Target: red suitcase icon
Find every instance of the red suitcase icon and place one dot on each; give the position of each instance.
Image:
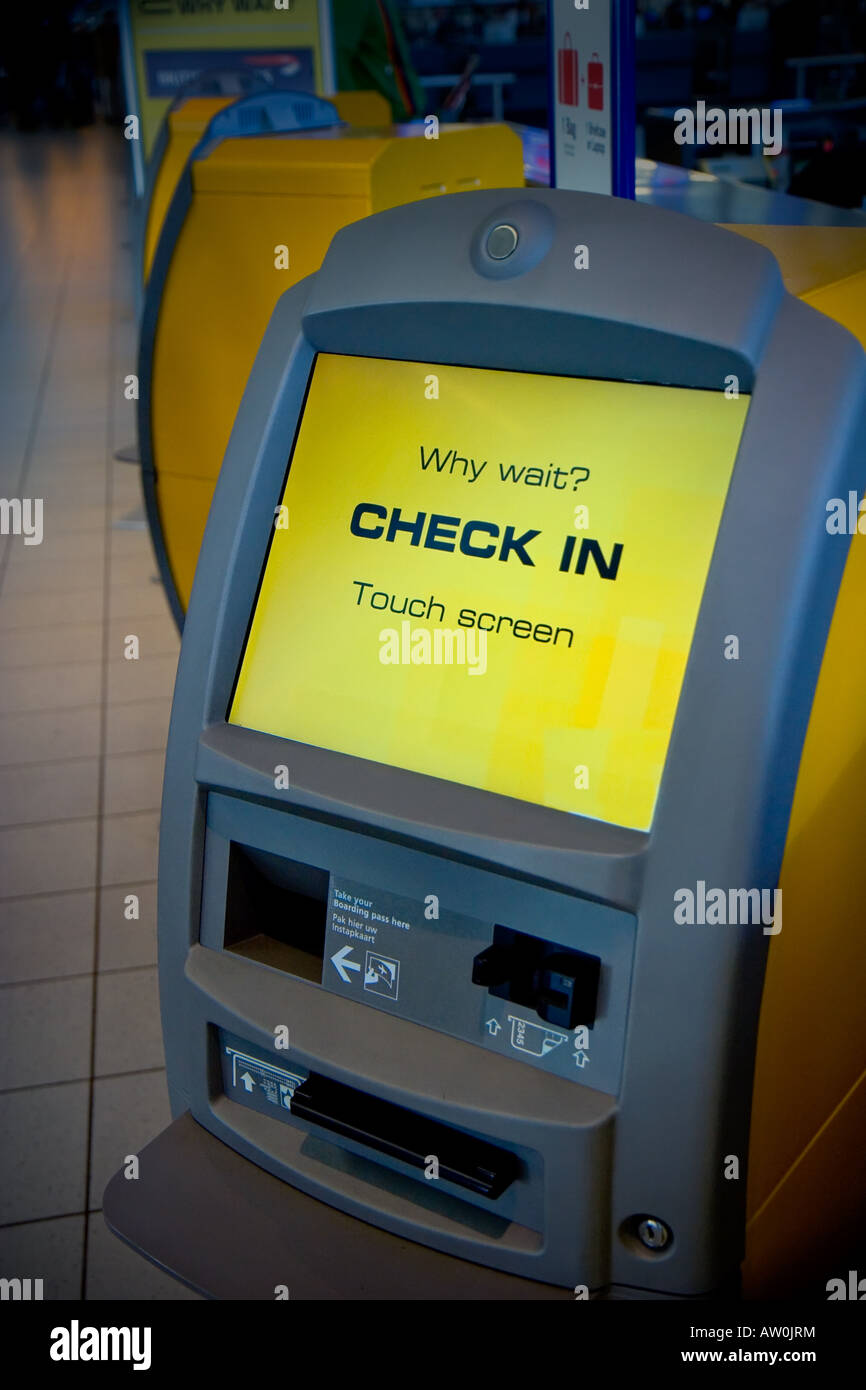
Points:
(595, 83)
(569, 87)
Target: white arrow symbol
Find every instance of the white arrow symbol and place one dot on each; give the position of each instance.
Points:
(493, 1026)
(248, 1081)
(341, 964)
(581, 1059)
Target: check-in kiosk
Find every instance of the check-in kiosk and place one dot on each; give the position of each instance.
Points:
(520, 710)
(252, 215)
(194, 118)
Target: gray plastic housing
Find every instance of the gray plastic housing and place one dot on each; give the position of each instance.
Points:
(665, 300)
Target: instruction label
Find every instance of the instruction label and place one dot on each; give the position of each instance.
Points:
(254, 1081)
(413, 957)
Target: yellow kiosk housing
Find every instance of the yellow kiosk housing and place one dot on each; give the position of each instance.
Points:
(809, 1120)
(250, 218)
(185, 126)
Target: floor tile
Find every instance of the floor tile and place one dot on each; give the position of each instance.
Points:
(62, 490)
(50, 646)
(80, 732)
(83, 518)
(137, 601)
(48, 936)
(126, 490)
(43, 1157)
(81, 576)
(138, 727)
(128, 1111)
(157, 636)
(48, 1250)
(125, 543)
(145, 679)
(61, 468)
(30, 688)
(126, 518)
(123, 940)
(133, 782)
(130, 501)
(134, 569)
(45, 1032)
(60, 545)
(44, 610)
(49, 791)
(48, 735)
(128, 1028)
(48, 858)
(129, 847)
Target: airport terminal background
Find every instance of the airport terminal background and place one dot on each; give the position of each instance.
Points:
(82, 730)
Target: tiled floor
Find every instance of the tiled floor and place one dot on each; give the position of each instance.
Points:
(82, 731)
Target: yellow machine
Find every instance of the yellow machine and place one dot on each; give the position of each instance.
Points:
(808, 1131)
(261, 215)
(184, 128)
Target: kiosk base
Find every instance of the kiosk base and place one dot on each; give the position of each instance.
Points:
(231, 1231)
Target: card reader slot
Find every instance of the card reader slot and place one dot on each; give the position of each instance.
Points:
(403, 1134)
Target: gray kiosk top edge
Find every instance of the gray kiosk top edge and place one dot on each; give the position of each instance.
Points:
(655, 299)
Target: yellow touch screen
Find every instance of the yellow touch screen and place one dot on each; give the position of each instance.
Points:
(491, 577)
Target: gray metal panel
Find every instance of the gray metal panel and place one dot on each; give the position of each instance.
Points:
(481, 898)
(176, 1215)
(601, 861)
(273, 399)
(640, 259)
(725, 796)
(560, 1130)
(568, 1127)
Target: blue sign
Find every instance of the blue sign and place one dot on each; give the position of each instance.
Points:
(168, 71)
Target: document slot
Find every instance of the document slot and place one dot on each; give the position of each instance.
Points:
(468, 1162)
